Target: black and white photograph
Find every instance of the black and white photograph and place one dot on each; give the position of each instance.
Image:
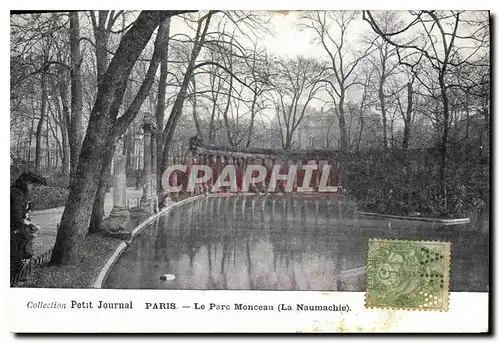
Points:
(231, 150)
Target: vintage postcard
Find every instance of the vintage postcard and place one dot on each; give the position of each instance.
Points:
(250, 171)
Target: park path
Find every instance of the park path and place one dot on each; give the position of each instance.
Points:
(48, 219)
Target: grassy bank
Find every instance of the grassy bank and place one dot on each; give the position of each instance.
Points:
(95, 252)
(93, 255)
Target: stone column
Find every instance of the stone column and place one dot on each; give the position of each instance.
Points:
(317, 176)
(216, 170)
(117, 224)
(340, 171)
(120, 187)
(218, 166)
(203, 161)
(295, 162)
(147, 189)
(264, 184)
(211, 163)
(154, 160)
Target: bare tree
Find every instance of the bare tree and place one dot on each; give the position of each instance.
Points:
(366, 102)
(103, 28)
(440, 49)
(204, 38)
(343, 59)
(122, 123)
(385, 63)
(167, 132)
(293, 91)
(228, 61)
(102, 129)
(162, 87)
(260, 76)
(43, 100)
(75, 125)
(406, 113)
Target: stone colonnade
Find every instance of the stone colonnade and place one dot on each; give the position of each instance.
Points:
(218, 160)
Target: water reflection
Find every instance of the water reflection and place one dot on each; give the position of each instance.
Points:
(282, 243)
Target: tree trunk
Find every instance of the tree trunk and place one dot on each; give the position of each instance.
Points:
(211, 126)
(101, 43)
(120, 128)
(98, 207)
(76, 216)
(39, 127)
(160, 105)
(53, 129)
(226, 110)
(64, 119)
(361, 128)
(252, 118)
(288, 142)
(196, 119)
(407, 121)
(444, 142)
(381, 97)
(77, 213)
(168, 132)
(344, 144)
(31, 130)
(56, 117)
(47, 143)
(75, 125)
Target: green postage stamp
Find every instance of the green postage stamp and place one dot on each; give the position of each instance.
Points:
(404, 274)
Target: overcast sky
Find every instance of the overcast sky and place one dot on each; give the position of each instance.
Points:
(288, 40)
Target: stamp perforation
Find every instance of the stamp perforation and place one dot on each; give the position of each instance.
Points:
(444, 276)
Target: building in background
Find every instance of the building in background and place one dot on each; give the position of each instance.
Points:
(317, 130)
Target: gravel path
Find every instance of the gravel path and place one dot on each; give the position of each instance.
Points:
(47, 220)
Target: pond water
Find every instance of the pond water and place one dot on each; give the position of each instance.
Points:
(283, 243)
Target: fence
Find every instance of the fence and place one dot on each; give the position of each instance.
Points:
(29, 267)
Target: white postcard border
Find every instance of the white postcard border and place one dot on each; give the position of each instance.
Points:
(468, 312)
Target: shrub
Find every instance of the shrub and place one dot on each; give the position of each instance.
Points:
(45, 197)
(408, 182)
(57, 180)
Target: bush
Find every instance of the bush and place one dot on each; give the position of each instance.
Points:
(406, 183)
(45, 197)
(57, 180)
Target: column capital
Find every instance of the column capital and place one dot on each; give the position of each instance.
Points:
(149, 125)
